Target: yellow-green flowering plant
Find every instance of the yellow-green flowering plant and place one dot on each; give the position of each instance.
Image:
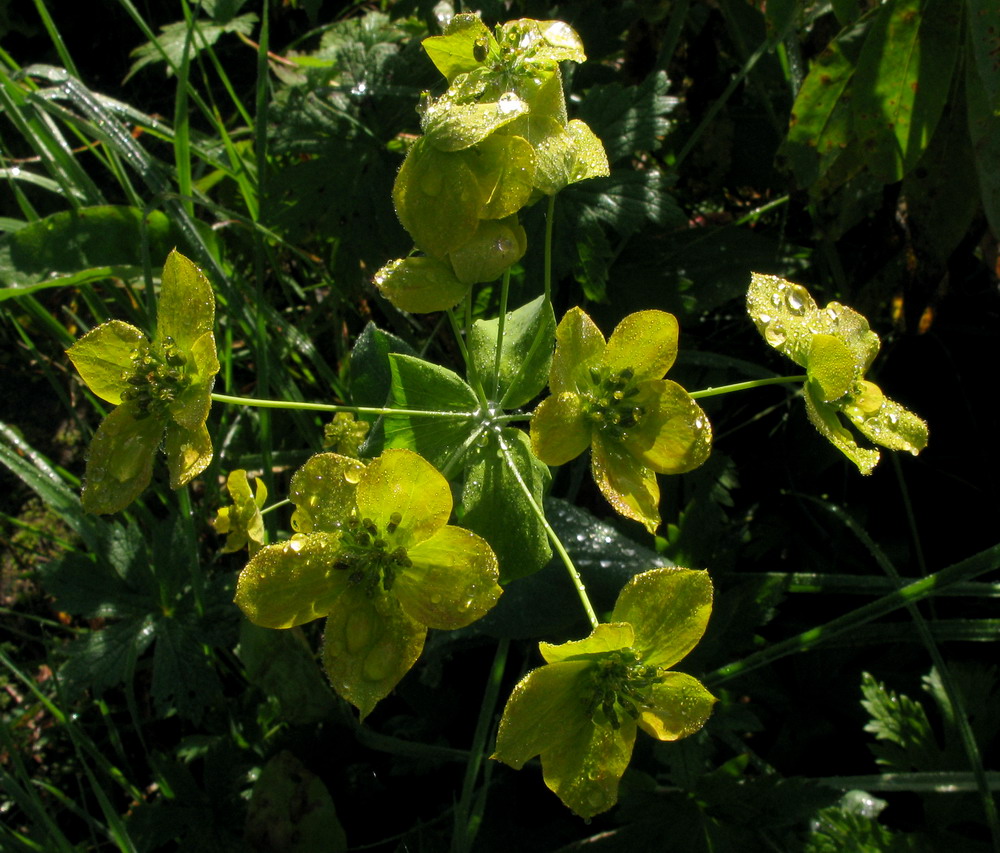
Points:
(242, 523)
(373, 553)
(498, 139)
(161, 390)
(580, 711)
(836, 347)
(611, 397)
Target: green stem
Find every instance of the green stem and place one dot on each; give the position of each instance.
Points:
(557, 544)
(470, 368)
(549, 217)
(746, 386)
(326, 407)
(466, 823)
(501, 322)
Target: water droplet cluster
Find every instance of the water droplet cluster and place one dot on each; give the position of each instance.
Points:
(609, 401)
(620, 682)
(368, 555)
(155, 378)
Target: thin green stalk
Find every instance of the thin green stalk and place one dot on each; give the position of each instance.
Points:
(466, 823)
(193, 557)
(329, 407)
(549, 217)
(474, 380)
(966, 570)
(57, 40)
(501, 322)
(746, 386)
(574, 574)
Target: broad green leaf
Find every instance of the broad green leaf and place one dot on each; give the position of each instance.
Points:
(819, 128)
(418, 384)
(86, 244)
(421, 284)
(669, 610)
(293, 582)
(186, 310)
(984, 130)
(984, 39)
(902, 82)
(437, 198)
(291, 811)
(371, 377)
(184, 679)
(120, 460)
(452, 126)
(282, 665)
(606, 637)
(525, 352)
(496, 245)
(107, 658)
(461, 48)
(494, 504)
(369, 645)
(589, 159)
(191, 407)
(103, 355)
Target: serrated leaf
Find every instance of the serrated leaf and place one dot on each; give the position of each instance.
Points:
(183, 677)
(107, 658)
(177, 39)
(525, 352)
(629, 119)
(418, 384)
(624, 200)
(494, 504)
(902, 725)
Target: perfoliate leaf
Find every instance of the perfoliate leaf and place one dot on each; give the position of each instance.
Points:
(438, 198)
(668, 609)
(525, 352)
(186, 309)
(606, 637)
(504, 165)
(120, 460)
(463, 46)
(103, 355)
(453, 126)
(421, 284)
(369, 644)
(496, 245)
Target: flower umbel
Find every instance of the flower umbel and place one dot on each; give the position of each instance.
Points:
(836, 347)
(373, 553)
(241, 523)
(160, 387)
(580, 711)
(612, 397)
